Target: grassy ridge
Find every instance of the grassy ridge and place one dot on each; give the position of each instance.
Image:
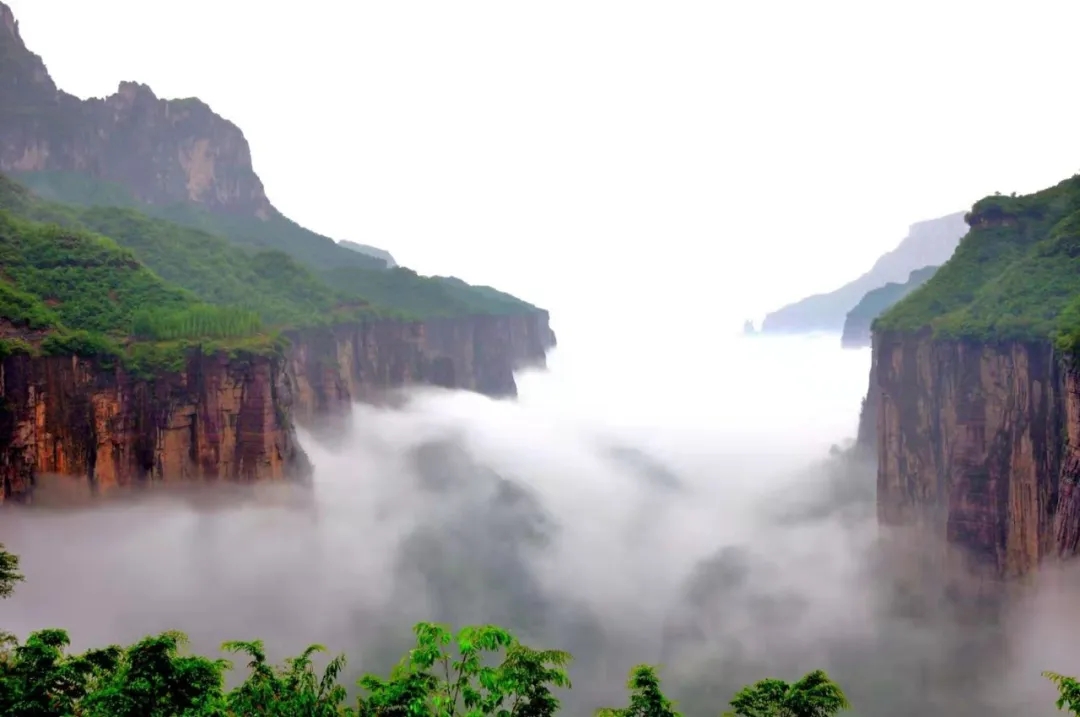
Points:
(112, 281)
(69, 291)
(286, 291)
(1014, 276)
(331, 274)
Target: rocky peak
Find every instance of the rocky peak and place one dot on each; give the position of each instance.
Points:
(19, 68)
(8, 22)
(129, 92)
(163, 151)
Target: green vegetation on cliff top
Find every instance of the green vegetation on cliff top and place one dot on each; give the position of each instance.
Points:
(96, 277)
(1014, 276)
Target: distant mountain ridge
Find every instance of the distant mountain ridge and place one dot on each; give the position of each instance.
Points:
(857, 326)
(928, 243)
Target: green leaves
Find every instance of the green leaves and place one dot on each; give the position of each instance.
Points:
(9, 572)
(1068, 691)
(815, 695)
(434, 682)
(646, 698)
(291, 689)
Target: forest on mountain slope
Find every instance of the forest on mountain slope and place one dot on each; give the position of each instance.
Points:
(1014, 277)
(106, 280)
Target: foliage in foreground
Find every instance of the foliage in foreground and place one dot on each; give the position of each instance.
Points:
(482, 670)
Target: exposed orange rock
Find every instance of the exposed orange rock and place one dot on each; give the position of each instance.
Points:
(218, 419)
(233, 419)
(978, 444)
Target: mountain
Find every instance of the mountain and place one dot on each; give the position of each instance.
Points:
(928, 243)
(974, 393)
(859, 320)
(176, 159)
(161, 320)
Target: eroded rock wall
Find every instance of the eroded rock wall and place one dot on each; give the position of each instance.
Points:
(232, 418)
(977, 445)
(164, 151)
(337, 365)
(220, 418)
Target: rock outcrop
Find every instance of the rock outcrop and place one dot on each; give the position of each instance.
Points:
(165, 151)
(978, 445)
(225, 418)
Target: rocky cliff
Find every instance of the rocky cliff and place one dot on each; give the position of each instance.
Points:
(978, 444)
(218, 418)
(166, 151)
(192, 234)
(233, 418)
(975, 392)
(359, 362)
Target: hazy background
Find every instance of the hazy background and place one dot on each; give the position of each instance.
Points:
(693, 160)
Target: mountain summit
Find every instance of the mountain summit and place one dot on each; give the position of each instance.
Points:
(163, 151)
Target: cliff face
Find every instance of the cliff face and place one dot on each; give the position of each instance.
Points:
(978, 444)
(217, 419)
(233, 419)
(165, 151)
(335, 366)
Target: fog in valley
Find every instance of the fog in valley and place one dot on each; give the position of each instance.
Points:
(629, 507)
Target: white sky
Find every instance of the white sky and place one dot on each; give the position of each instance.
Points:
(714, 159)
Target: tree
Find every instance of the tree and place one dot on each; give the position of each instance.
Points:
(40, 679)
(430, 682)
(1068, 692)
(9, 572)
(9, 577)
(646, 698)
(815, 695)
(152, 679)
(290, 690)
